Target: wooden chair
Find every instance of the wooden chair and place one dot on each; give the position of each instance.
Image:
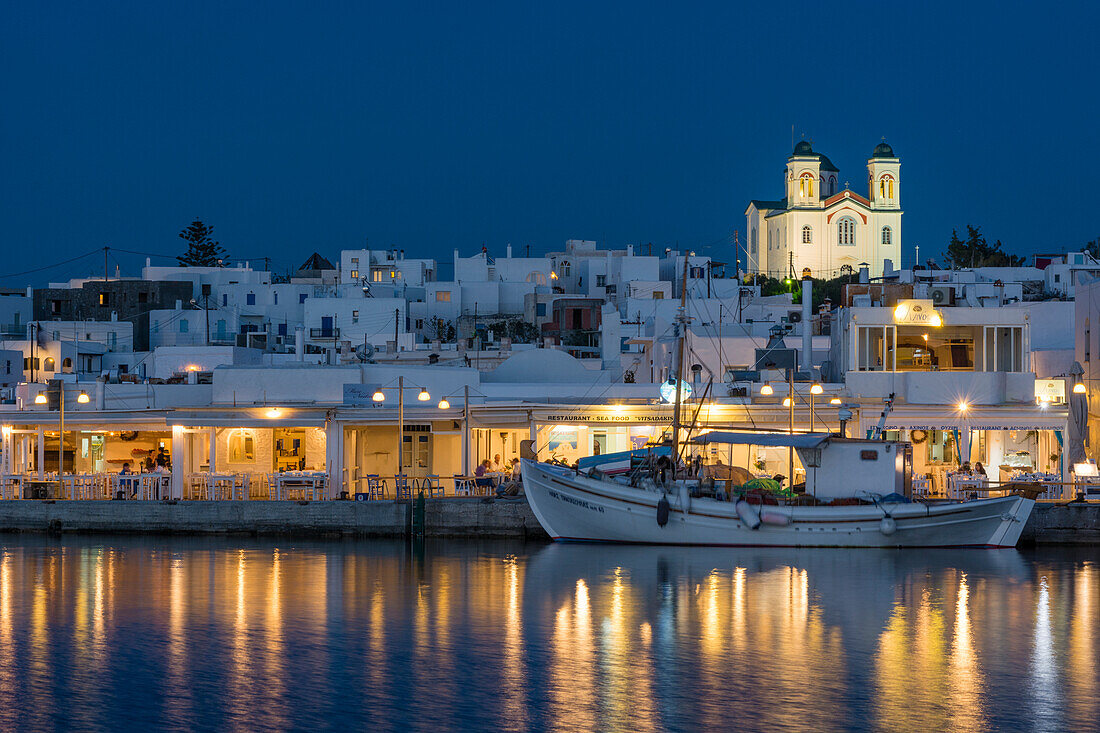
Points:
(401, 486)
(433, 487)
(376, 486)
(464, 486)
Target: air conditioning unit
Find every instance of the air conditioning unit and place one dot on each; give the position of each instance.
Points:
(941, 295)
(794, 317)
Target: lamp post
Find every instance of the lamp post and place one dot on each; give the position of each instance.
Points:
(815, 389)
(40, 399)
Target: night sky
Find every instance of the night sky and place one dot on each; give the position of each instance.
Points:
(294, 127)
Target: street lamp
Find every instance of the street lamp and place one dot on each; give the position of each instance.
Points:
(423, 396)
(767, 390)
(444, 404)
(815, 389)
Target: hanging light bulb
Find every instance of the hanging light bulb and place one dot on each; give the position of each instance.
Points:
(766, 389)
(423, 396)
(40, 398)
(444, 404)
(378, 396)
(82, 398)
(1079, 388)
(816, 388)
(786, 401)
(835, 401)
(274, 412)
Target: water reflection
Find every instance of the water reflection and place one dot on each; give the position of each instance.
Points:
(185, 634)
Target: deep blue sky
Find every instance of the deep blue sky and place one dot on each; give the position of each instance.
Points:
(294, 127)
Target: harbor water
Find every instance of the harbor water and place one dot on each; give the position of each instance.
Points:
(156, 633)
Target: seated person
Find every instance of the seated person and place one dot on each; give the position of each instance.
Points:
(125, 469)
(480, 479)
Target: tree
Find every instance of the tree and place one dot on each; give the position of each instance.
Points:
(441, 329)
(202, 249)
(977, 252)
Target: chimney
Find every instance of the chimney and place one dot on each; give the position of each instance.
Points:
(299, 343)
(509, 251)
(148, 261)
(630, 250)
(864, 273)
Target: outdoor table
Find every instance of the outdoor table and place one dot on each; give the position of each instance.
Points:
(310, 483)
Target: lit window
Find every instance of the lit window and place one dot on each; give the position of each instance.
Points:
(354, 263)
(846, 231)
(443, 296)
(376, 276)
(807, 235)
(887, 235)
(886, 187)
(806, 184)
(658, 295)
(354, 274)
(48, 364)
(104, 299)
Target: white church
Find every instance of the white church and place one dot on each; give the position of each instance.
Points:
(824, 227)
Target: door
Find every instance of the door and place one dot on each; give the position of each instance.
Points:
(326, 326)
(416, 453)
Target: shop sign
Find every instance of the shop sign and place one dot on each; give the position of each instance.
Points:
(606, 418)
(917, 313)
(1050, 390)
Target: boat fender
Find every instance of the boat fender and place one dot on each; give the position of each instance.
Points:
(747, 514)
(662, 511)
(888, 526)
(775, 518)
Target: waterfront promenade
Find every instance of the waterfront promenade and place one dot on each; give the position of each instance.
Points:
(460, 517)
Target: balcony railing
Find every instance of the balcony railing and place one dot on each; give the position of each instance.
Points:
(324, 333)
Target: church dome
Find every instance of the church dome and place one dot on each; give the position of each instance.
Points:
(803, 148)
(882, 150)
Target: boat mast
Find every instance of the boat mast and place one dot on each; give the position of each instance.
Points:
(681, 328)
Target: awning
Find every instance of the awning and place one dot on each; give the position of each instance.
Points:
(784, 440)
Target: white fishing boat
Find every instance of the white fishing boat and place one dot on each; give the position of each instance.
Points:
(856, 494)
(854, 497)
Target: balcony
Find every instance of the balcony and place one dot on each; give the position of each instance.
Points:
(945, 388)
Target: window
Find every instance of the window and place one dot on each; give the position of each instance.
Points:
(376, 276)
(807, 235)
(55, 306)
(355, 316)
(355, 263)
(846, 231)
(537, 278)
(67, 364)
(540, 310)
(275, 297)
(250, 299)
(612, 289)
(601, 281)
(875, 349)
(658, 295)
(696, 273)
(354, 274)
(442, 296)
(104, 298)
(806, 184)
(752, 243)
(1004, 349)
(225, 299)
(242, 446)
(184, 326)
(1057, 277)
(112, 340)
(886, 187)
(419, 324)
(143, 297)
(564, 268)
(887, 236)
(49, 364)
(302, 298)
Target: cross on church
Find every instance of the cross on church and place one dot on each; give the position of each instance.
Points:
(845, 185)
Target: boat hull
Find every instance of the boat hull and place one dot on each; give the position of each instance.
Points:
(573, 507)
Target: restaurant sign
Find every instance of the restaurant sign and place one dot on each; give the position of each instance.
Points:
(917, 313)
(589, 417)
(1050, 390)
